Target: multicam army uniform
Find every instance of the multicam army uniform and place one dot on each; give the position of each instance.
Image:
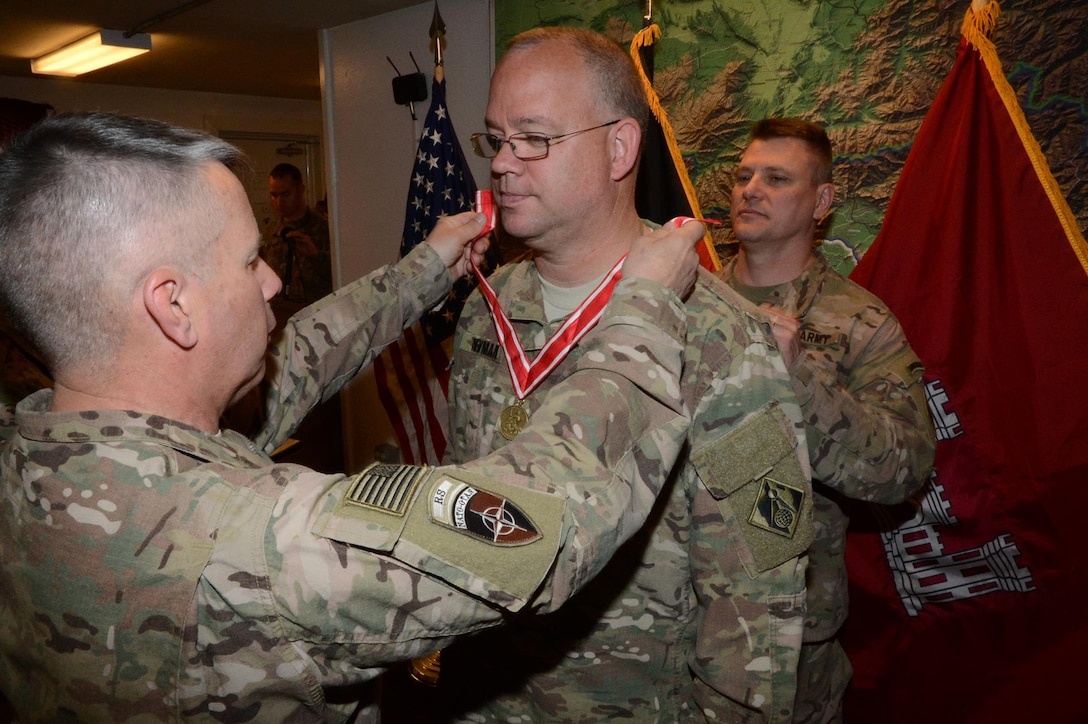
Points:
(869, 438)
(699, 617)
(311, 277)
(156, 572)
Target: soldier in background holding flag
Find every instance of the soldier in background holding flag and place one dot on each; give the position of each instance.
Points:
(857, 379)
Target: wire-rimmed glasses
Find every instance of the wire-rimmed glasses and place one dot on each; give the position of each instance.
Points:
(525, 146)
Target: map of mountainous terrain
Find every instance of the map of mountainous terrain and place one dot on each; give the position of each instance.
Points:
(867, 70)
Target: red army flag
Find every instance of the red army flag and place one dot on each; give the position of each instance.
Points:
(965, 605)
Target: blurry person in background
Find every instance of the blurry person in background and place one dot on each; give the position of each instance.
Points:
(297, 247)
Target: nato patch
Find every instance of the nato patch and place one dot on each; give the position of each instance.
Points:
(481, 514)
(386, 488)
(777, 507)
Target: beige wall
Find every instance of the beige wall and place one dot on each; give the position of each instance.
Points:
(213, 112)
(371, 141)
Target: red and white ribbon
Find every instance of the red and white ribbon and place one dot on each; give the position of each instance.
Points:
(525, 375)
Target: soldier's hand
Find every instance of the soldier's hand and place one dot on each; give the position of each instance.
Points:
(785, 328)
(667, 256)
(304, 245)
(459, 239)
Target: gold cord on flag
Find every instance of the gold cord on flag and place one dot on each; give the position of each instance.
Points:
(978, 23)
(646, 38)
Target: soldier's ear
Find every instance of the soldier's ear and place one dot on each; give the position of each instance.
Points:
(825, 195)
(626, 137)
(166, 303)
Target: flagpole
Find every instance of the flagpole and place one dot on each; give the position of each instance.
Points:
(645, 39)
(438, 37)
(427, 669)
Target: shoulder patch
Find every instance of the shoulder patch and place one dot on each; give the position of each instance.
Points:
(754, 472)
(777, 507)
(905, 370)
(916, 370)
(386, 488)
(480, 514)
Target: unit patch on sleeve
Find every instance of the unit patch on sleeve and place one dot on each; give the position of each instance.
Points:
(481, 514)
(777, 507)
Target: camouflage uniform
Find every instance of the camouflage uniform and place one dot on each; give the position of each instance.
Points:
(869, 438)
(699, 617)
(156, 572)
(311, 276)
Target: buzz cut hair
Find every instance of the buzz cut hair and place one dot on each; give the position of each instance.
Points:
(812, 134)
(89, 204)
(286, 170)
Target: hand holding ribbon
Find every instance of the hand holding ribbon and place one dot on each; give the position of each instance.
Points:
(668, 255)
(461, 240)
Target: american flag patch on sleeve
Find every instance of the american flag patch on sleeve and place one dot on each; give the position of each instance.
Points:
(386, 488)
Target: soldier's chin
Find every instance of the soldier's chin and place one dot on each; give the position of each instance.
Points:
(250, 384)
(518, 226)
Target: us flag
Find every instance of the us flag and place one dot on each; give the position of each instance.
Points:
(413, 375)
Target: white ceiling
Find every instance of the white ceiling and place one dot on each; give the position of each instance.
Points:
(252, 47)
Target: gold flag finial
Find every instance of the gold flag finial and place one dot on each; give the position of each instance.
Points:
(426, 669)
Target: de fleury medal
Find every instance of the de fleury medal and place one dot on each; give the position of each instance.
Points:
(513, 420)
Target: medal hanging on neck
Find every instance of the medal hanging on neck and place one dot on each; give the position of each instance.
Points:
(525, 375)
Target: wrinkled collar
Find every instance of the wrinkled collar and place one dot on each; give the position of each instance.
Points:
(796, 296)
(38, 423)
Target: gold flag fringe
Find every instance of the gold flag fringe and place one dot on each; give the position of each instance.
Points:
(977, 26)
(645, 38)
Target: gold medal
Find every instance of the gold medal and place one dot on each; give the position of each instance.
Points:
(513, 420)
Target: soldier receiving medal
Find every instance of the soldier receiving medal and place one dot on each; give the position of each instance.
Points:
(703, 611)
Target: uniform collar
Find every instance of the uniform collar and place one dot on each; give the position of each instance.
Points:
(38, 423)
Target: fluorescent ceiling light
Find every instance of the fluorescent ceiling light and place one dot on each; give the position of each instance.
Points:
(95, 51)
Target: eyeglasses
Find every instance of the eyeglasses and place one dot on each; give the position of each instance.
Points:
(526, 146)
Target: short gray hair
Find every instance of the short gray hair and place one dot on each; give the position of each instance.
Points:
(89, 204)
(617, 79)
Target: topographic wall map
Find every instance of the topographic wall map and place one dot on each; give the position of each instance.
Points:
(867, 70)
